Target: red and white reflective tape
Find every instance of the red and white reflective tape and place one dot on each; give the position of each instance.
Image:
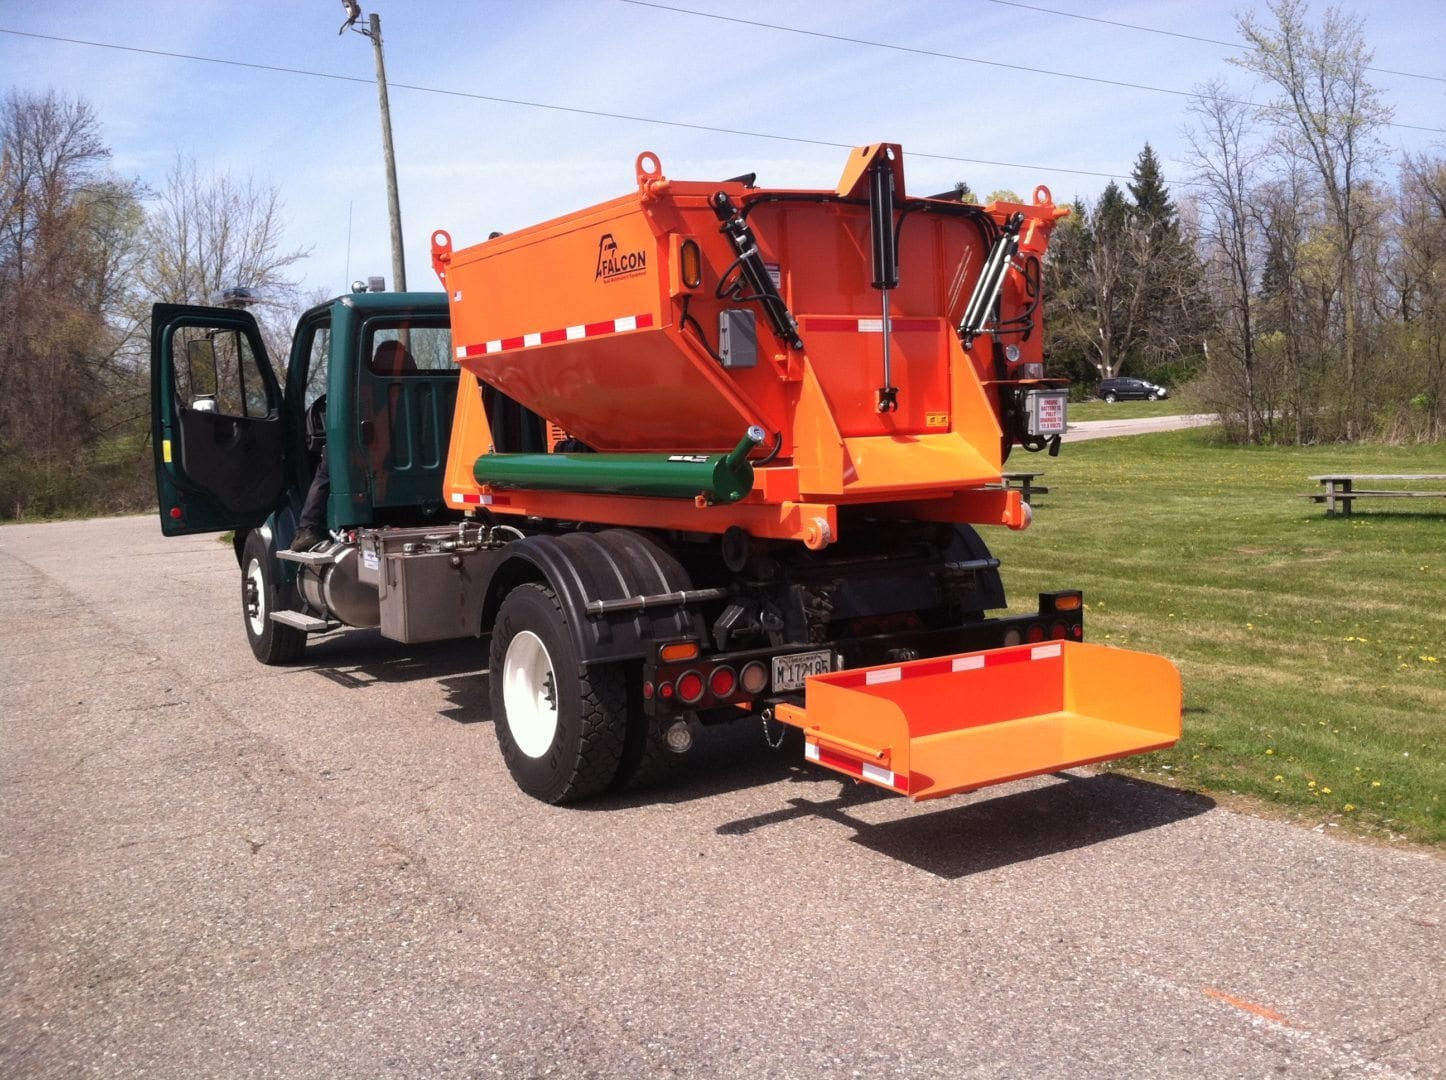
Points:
(859, 770)
(868, 326)
(550, 337)
(463, 498)
(922, 668)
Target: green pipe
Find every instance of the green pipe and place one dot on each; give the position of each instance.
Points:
(718, 478)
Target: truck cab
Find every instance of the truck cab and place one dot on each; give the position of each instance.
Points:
(369, 389)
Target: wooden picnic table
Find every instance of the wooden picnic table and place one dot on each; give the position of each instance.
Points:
(1025, 482)
(1339, 490)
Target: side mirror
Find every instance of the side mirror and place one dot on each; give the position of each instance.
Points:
(201, 371)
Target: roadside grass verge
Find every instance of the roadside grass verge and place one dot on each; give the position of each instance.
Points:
(1313, 651)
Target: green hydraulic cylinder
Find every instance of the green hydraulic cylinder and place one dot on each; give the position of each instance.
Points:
(718, 478)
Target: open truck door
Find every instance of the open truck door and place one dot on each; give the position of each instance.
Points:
(217, 421)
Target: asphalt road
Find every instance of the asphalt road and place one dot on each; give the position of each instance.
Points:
(1080, 430)
(215, 869)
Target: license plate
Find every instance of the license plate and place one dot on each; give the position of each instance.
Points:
(789, 672)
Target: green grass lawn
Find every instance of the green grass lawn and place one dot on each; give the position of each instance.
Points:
(1313, 651)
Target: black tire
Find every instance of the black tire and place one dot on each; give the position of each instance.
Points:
(564, 735)
(646, 758)
(1153, 396)
(1110, 399)
(261, 594)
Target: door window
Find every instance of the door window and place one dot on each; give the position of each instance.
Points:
(218, 371)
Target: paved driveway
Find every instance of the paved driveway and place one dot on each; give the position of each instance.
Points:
(211, 868)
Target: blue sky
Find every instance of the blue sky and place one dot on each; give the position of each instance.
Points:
(471, 165)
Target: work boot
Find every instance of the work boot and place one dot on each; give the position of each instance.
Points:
(306, 538)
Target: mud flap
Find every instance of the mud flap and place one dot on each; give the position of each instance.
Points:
(938, 727)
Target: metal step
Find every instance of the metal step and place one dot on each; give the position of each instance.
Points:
(323, 557)
(310, 623)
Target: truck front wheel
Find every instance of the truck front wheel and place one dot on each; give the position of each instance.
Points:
(561, 727)
(271, 642)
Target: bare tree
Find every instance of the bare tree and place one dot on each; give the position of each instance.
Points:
(1226, 160)
(208, 233)
(68, 236)
(1421, 342)
(1334, 115)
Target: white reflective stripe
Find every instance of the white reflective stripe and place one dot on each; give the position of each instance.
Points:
(494, 346)
(457, 497)
(461, 352)
(878, 775)
(1045, 652)
(892, 674)
(871, 326)
(529, 340)
(810, 751)
(575, 332)
(627, 322)
(967, 663)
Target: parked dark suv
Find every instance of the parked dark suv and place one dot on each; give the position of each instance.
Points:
(1113, 390)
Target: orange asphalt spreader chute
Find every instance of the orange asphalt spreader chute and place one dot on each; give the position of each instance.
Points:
(937, 727)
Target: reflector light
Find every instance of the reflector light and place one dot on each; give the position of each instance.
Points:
(1036, 632)
(175, 513)
(722, 682)
(665, 690)
(690, 264)
(647, 691)
(679, 650)
(1077, 632)
(690, 687)
(754, 677)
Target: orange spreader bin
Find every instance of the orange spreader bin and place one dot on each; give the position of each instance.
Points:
(609, 323)
(929, 728)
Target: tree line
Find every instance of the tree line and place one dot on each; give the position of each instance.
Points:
(84, 252)
(1286, 283)
(1299, 293)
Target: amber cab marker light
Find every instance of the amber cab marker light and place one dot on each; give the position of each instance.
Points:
(678, 650)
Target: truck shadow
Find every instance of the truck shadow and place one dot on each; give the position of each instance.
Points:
(356, 659)
(988, 833)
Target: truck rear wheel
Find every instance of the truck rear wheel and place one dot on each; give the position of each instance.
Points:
(561, 727)
(271, 643)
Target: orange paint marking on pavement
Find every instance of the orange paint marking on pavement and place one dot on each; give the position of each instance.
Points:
(1262, 1011)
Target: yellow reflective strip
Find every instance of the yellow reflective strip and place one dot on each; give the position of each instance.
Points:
(166, 451)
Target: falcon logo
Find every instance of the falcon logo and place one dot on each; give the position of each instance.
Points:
(611, 264)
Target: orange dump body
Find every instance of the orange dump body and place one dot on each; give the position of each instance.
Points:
(607, 323)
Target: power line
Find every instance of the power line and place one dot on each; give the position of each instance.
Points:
(955, 56)
(543, 105)
(1186, 37)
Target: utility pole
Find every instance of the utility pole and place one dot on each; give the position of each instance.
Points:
(394, 206)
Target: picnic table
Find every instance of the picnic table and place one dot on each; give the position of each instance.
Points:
(1338, 490)
(1025, 482)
